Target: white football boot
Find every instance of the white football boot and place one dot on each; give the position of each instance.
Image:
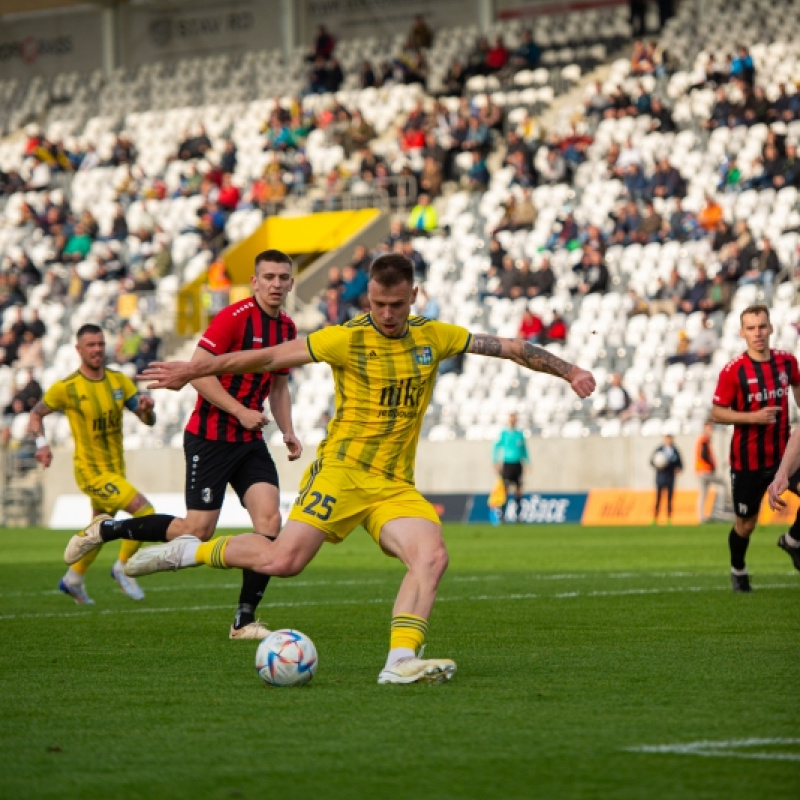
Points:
(419, 670)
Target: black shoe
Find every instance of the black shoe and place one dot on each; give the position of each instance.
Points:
(794, 552)
(741, 583)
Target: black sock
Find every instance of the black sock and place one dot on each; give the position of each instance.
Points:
(738, 546)
(254, 585)
(794, 531)
(152, 528)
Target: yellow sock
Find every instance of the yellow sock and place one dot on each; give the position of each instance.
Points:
(212, 552)
(81, 566)
(127, 547)
(408, 631)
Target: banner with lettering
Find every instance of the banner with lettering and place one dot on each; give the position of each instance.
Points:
(201, 27)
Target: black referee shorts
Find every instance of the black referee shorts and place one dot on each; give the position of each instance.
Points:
(748, 488)
(212, 465)
(512, 473)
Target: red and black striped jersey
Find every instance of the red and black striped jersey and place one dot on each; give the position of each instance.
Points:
(240, 326)
(748, 385)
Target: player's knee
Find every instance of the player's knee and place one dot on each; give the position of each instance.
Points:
(744, 527)
(282, 564)
(434, 562)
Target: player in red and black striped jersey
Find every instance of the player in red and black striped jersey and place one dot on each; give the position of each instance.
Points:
(223, 443)
(753, 395)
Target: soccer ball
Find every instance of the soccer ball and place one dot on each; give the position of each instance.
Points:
(286, 658)
(659, 459)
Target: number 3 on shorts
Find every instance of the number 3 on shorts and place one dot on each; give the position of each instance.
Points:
(324, 501)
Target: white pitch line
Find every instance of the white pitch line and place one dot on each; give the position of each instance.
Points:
(292, 583)
(350, 602)
(724, 749)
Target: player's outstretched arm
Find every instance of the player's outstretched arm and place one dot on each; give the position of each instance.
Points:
(44, 455)
(176, 374)
(534, 358)
(790, 463)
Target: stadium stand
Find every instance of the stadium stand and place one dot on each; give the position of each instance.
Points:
(652, 184)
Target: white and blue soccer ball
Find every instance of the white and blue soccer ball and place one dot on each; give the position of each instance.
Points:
(286, 658)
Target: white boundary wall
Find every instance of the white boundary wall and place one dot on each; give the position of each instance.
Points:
(460, 466)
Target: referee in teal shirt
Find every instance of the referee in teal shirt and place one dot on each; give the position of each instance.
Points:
(510, 458)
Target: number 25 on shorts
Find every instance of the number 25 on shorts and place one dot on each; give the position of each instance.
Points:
(325, 503)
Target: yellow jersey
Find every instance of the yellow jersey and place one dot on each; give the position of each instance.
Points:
(94, 410)
(383, 387)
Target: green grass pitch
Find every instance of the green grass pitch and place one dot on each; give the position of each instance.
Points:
(592, 663)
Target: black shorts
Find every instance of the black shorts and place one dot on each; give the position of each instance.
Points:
(512, 473)
(749, 487)
(212, 465)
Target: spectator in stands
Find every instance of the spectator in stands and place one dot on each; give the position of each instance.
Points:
(323, 46)
(334, 76)
(507, 280)
(478, 177)
(229, 194)
(425, 305)
(667, 182)
(476, 60)
(789, 174)
(763, 267)
(454, 79)
(530, 327)
(593, 276)
(366, 75)
(639, 408)
(700, 349)
(420, 36)
(39, 174)
(553, 169)
(718, 296)
(638, 17)
(354, 286)
(406, 247)
(30, 354)
(358, 134)
(742, 67)
(194, 146)
(332, 308)
(228, 159)
(568, 234)
(28, 393)
(710, 215)
(618, 401)
(696, 293)
(127, 344)
(635, 182)
(497, 57)
(431, 178)
(526, 280)
(423, 217)
(597, 103)
(528, 54)
(543, 280)
(119, 225)
(651, 225)
(662, 117)
(556, 331)
(78, 245)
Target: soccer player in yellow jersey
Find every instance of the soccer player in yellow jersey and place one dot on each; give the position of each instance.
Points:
(384, 366)
(93, 398)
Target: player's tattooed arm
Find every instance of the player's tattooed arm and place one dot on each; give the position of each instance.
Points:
(524, 353)
(35, 426)
(534, 358)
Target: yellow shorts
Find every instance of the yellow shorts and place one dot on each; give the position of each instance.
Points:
(337, 499)
(109, 492)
